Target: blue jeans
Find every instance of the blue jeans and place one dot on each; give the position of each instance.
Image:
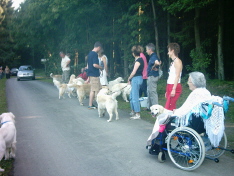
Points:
(134, 94)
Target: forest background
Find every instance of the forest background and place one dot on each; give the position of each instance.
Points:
(40, 29)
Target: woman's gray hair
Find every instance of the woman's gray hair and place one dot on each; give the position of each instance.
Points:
(198, 79)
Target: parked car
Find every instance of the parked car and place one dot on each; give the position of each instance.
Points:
(26, 72)
(14, 71)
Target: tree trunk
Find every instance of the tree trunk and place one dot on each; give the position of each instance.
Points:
(155, 30)
(168, 34)
(220, 42)
(125, 65)
(196, 29)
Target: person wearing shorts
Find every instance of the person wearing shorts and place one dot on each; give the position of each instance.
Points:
(94, 73)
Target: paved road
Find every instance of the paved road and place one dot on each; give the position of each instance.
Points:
(61, 138)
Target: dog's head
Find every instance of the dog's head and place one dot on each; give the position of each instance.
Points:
(104, 90)
(120, 79)
(156, 110)
(72, 76)
(8, 116)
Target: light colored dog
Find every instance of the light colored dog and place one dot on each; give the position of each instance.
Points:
(63, 88)
(107, 103)
(124, 88)
(156, 110)
(7, 136)
(56, 77)
(82, 91)
(116, 81)
(74, 80)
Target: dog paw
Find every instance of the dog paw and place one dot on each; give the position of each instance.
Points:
(12, 156)
(108, 120)
(117, 119)
(127, 101)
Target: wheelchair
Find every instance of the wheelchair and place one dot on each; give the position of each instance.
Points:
(188, 146)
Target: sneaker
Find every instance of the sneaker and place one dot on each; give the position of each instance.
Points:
(132, 113)
(136, 117)
(92, 107)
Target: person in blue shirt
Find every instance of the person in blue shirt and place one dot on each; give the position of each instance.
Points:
(153, 76)
(94, 73)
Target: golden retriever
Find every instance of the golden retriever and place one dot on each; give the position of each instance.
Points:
(63, 88)
(158, 109)
(56, 77)
(124, 88)
(116, 81)
(82, 91)
(7, 136)
(107, 103)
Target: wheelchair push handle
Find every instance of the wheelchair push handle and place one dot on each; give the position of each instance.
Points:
(228, 98)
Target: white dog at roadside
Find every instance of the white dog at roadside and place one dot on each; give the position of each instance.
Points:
(116, 81)
(56, 77)
(74, 80)
(82, 91)
(63, 88)
(107, 103)
(156, 110)
(124, 88)
(7, 136)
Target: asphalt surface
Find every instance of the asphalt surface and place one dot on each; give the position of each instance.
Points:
(61, 138)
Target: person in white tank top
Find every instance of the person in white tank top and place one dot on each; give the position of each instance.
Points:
(104, 73)
(174, 88)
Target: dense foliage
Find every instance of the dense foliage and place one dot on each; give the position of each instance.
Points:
(41, 28)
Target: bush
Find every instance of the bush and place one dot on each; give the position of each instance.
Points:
(200, 62)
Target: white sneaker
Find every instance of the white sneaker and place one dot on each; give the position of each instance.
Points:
(136, 117)
(132, 114)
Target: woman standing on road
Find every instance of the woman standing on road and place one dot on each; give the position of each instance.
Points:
(174, 88)
(136, 80)
(103, 61)
(143, 88)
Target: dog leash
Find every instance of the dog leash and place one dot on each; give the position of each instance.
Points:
(118, 90)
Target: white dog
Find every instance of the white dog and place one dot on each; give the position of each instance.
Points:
(124, 88)
(74, 80)
(82, 91)
(107, 103)
(116, 81)
(63, 88)
(156, 110)
(56, 77)
(7, 136)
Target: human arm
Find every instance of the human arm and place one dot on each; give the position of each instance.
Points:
(68, 62)
(87, 81)
(97, 66)
(136, 66)
(178, 69)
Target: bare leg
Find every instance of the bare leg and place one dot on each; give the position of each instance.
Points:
(91, 97)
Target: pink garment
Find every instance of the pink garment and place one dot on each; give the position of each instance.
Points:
(144, 72)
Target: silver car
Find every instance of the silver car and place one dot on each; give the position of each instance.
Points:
(25, 72)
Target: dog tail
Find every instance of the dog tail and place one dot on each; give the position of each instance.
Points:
(116, 94)
(51, 75)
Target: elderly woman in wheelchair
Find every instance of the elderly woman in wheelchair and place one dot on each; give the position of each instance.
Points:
(193, 131)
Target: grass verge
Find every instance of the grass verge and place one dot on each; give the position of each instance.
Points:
(7, 165)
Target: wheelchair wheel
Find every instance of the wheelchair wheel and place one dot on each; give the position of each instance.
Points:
(216, 152)
(186, 148)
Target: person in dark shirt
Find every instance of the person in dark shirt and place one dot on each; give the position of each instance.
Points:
(94, 73)
(136, 80)
(153, 76)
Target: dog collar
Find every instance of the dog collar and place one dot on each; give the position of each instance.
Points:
(4, 122)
